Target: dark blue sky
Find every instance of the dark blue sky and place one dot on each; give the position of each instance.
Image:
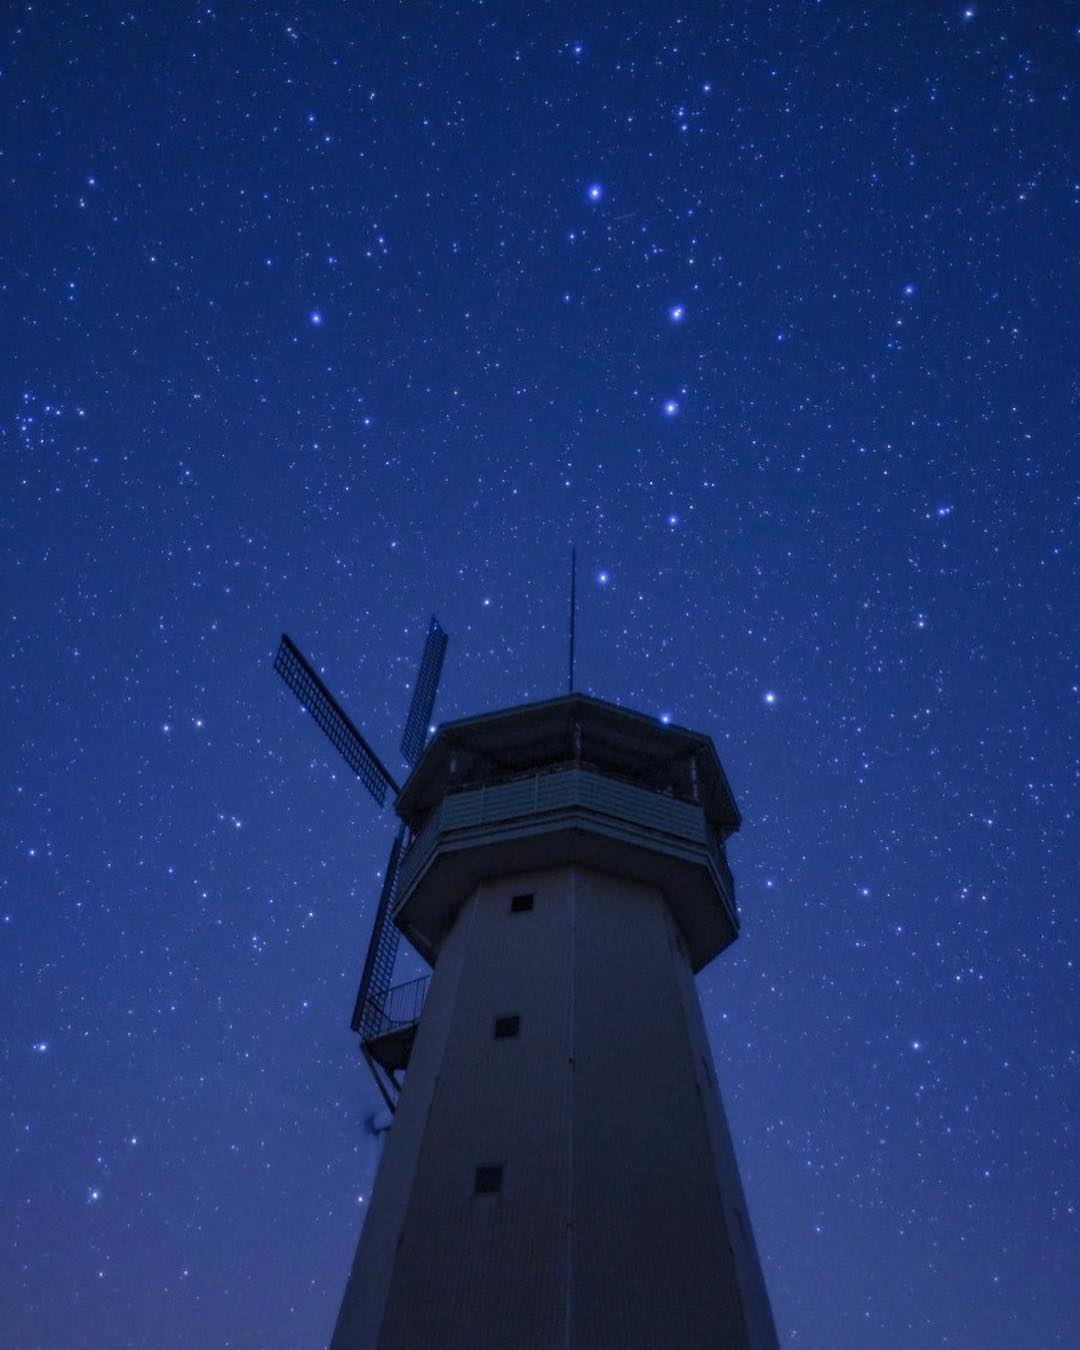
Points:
(328, 318)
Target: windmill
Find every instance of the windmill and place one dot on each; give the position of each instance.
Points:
(385, 1017)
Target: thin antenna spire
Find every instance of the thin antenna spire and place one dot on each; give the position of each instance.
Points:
(573, 615)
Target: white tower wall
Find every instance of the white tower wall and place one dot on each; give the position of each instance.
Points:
(620, 1221)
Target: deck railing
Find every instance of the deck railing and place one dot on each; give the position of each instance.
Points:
(560, 789)
(399, 1007)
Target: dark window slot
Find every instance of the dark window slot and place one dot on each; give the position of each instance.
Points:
(489, 1179)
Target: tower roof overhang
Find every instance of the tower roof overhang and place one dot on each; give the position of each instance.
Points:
(574, 728)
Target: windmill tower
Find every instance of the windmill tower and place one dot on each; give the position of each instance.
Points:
(559, 1172)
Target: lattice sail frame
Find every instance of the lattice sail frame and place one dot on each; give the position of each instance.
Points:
(414, 737)
(369, 1010)
(332, 720)
(378, 973)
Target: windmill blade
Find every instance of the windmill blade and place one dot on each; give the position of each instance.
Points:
(381, 953)
(295, 670)
(415, 734)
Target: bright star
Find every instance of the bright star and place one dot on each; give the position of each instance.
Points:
(769, 697)
(677, 313)
(671, 408)
(596, 191)
(603, 578)
(315, 318)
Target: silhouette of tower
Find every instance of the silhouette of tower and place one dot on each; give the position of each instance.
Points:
(559, 1171)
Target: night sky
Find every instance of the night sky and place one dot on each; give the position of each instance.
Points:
(328, 318)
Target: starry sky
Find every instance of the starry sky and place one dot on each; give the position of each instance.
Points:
(328, 318)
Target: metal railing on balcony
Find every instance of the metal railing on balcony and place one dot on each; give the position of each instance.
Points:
(560, 789)
(398, 1009)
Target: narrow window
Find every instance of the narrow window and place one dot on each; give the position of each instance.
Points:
(520, 903)
(507, 1026)
(489, 1179)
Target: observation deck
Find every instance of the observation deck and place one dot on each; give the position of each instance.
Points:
(570, 780)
